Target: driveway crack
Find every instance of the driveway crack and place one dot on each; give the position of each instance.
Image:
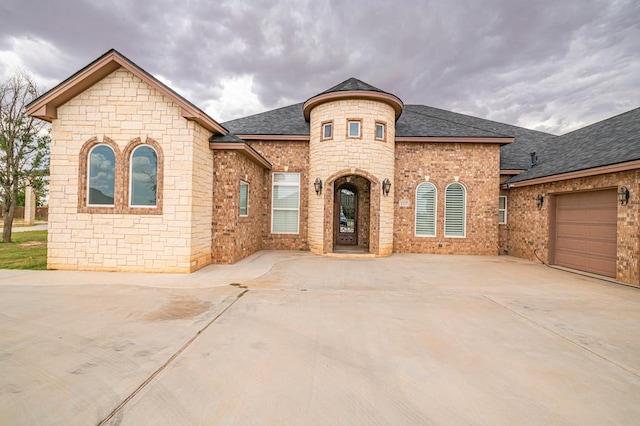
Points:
(168, 362)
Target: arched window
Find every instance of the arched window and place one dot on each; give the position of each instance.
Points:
(426, 196)
(101, 176)
(455, 210)
(143, 177)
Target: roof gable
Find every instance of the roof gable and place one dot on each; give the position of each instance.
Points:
(45, 106)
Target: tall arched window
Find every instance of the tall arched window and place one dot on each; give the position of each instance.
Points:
(426, 196)
(101, 176)
(455, 211)
(143, 177)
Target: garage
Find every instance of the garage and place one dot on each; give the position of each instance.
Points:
(585, 231)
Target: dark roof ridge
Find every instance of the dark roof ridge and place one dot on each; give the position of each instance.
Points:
(613, 117)
(263, 112)
(455, 122)
(475, 118)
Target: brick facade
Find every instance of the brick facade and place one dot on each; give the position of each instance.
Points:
(476, 167)
(528, 227)
(286, 156)
(234, 236)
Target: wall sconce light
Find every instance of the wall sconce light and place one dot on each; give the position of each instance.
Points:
(539, 201)
(623, 196)
(317, 185)
(386, 187)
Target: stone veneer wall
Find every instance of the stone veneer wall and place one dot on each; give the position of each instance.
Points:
(528, 226)
(236, 237)
(121, 107)
(342, 156)
(285, 156)
(476, 166)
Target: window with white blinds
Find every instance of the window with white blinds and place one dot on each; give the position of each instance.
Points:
(455, 211)
(426, 210)
(244, 198)
(285, 203)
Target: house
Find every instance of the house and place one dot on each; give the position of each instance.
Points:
(143, 180)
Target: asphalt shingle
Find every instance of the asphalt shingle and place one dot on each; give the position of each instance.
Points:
(611, 141)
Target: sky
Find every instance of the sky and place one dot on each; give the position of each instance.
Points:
(549, 65)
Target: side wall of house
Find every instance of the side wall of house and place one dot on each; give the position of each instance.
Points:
(121, 109)
(528, 227)
(285, 156)
(476, 167)
(236, 237)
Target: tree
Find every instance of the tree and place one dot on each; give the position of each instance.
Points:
(24, 144)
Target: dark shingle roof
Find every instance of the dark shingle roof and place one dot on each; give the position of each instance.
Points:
(351, 84)
(514, 156)
(611, 141)
(282, 121)
(418, 122)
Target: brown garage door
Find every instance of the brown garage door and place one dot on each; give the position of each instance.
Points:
(586, 231)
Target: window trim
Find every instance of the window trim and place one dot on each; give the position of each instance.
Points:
(130, 178)
(322, 127)
(354, 120)
(464, 211)
(273, 185)
(384, 131)
(88, 178)
(83, 174)
(502, 210)
(435, 211)
(246, 207)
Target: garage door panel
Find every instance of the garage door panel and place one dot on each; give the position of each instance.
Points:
(585, 236)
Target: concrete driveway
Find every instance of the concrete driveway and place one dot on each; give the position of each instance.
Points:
(409, 339)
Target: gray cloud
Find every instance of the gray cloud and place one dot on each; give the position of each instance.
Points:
(549, 65)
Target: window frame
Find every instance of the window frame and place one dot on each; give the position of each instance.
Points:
(246, 207)
(464, 210)
(383, 125)
(88, 178)
(354, 120)
(130, 178)
(502, 210)
(435, 211)
(273, 209)
(322, 130)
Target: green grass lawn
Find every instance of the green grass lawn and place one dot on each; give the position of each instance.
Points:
(27, 251)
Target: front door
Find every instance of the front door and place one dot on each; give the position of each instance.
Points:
(346, 212)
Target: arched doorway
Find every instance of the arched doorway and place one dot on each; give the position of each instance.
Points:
(346, 215)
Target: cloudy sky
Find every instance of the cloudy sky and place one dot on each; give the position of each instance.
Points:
(552, 65)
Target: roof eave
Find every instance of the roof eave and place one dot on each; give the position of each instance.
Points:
(594, 171)
(387, 98)
(454, 139)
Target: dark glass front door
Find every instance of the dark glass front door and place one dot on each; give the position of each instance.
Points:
(346, 215)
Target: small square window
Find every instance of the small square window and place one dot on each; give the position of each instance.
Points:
(327, 131)
(380, 131)
(353, 129)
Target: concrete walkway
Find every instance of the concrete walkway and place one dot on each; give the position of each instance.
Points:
(37, 227)
(409, 339)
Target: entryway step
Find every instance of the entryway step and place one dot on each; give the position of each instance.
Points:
(351, 255)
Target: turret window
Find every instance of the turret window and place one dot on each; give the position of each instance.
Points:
(354, 128)
(327, 130)
(381, 131)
